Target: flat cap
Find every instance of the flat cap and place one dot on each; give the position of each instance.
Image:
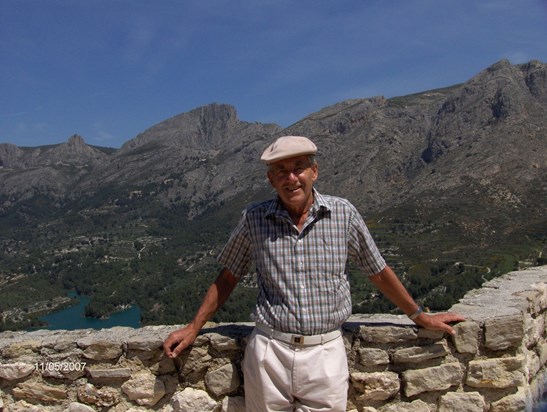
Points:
(288, 146)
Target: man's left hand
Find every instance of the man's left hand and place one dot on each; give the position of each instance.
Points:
(439, 321)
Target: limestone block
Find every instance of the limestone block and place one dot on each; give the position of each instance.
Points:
(436, 378)
(233, 404)
(200, 341)
(419, 354)
(496, 373)
(20, 349)
(144, 348)
(373, 356)
(532, 364)
(535, 327)
(112, 373)
(144, 388)
(103, 351)
(377, 386)
(223, 380)
(542, 298)
(415, 406)
(504, 332)
(79, 407)
(65, 345)
(222, 343)
(190, 400)
(196, 360)
(387, 334)
(430, 334)
(466, 339)
(462, 402)
(102, 397)
(149, 344)
(17, 370)
(23, 406)
(542, 353)
(36, 392)
(511, 403)
(164, 366)
(535, 297)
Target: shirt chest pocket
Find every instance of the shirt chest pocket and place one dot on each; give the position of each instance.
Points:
(329, 256)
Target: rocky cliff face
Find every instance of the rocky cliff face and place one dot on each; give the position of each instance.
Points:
(46, 170)
(200, 153)
(490, 130)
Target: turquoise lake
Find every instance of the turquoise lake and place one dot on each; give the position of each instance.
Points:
(72, 318)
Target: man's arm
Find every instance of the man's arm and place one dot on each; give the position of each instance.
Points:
(389, 284)
(215, 297)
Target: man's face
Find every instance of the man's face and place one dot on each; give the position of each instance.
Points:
(293, 180)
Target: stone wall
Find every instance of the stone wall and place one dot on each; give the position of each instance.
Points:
(496, 362)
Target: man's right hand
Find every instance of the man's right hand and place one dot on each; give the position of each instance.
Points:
(179, 340)
(215, 297)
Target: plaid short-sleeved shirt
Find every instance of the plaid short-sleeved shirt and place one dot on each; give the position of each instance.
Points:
(302, 276)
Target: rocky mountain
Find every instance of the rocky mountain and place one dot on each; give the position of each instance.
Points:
(443, 174)
(47, 170)
(196, 152)
(489, 130)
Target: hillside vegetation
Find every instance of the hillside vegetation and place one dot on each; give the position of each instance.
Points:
(451, 183)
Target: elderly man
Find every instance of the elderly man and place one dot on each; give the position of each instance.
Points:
(300, 243)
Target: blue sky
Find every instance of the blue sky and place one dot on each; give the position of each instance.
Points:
(109, 69)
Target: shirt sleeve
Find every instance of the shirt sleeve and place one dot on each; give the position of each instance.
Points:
(362, 249)
(236, 254)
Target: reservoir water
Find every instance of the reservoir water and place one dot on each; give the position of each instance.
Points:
(72, 318)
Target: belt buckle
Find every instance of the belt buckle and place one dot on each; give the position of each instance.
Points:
(297, 340)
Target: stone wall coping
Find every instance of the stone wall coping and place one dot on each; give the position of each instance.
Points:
(501, 296)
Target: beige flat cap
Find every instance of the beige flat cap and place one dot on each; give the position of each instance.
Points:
(288, 146)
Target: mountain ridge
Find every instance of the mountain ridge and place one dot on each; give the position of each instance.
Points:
(182, 142)
(445, 176)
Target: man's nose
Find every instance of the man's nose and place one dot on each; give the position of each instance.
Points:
(292, 175)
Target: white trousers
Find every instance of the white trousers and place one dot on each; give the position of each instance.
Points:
(284, 377)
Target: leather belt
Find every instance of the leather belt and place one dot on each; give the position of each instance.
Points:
(301, 340)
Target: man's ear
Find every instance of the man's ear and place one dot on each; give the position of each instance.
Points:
(269, 176)
(315, 169)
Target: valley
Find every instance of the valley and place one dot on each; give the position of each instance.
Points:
(451, 183)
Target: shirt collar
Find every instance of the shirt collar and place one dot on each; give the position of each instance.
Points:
(319, 204)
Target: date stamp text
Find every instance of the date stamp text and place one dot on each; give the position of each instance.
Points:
(60, 366)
